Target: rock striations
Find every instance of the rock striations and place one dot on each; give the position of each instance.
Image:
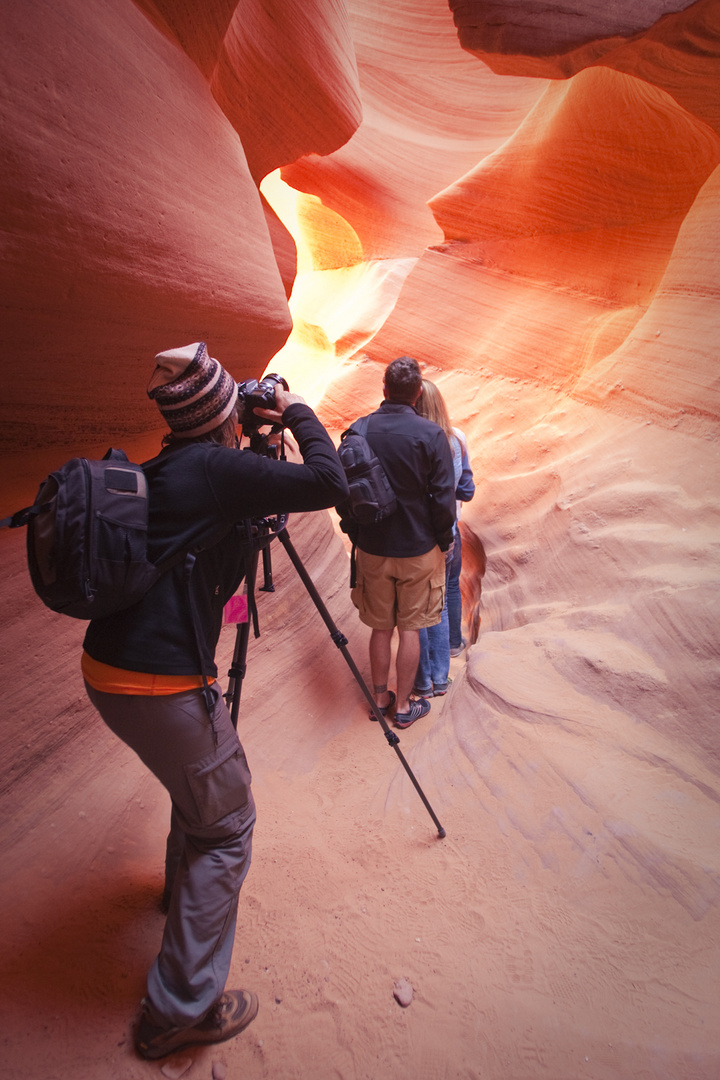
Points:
(525, 196)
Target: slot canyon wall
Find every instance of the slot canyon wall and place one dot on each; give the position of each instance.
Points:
(526, 197)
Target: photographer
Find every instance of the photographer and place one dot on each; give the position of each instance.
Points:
(150, 672)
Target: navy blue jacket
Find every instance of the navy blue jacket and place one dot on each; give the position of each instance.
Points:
(197, 492)
(417, 459)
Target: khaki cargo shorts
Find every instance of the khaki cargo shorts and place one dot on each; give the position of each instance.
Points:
(407, 593)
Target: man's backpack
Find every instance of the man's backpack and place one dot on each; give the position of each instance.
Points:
(371, 498)
(87, 537)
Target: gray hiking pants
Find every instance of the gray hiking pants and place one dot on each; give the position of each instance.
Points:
(209, 847)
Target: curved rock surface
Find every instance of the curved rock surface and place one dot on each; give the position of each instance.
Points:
(131, 219)
(417, 134)
(672, 45)
(532, 28)
(543, 237)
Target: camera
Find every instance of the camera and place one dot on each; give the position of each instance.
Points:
(253, 394)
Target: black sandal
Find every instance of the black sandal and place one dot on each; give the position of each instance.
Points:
(384, 708)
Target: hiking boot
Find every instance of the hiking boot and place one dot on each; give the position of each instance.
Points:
(228, 1017)
(441, 689)
(436, 690)
(419, 692)
(419, 707)
(459, 648)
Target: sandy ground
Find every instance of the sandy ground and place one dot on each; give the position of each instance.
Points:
(568, 925)
(521, 966)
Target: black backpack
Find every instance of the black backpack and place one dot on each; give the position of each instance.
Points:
(371, 498)
(87, 537)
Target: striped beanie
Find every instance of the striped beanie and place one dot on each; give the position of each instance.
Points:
(193, 392)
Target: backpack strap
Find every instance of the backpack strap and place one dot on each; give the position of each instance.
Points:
(208, 696)
(189, 558)
(113, 454)
(359, 427)
(24, 516)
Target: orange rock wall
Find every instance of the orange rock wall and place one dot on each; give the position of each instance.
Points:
(419, 132)
(569, 314)
(131, 220)
(536, 217)
(557, 232)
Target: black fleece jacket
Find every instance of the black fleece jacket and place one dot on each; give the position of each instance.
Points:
(417, 459)
(197, 492)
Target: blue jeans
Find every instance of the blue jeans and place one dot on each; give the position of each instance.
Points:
(453, 598)
(434, 666)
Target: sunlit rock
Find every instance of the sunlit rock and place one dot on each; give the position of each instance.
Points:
(589, 193)
(667, 367)
(418, 134)
(548, 251)
(286, 80)
(131, 217)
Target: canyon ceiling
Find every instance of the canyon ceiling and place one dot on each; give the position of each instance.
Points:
(524, 196)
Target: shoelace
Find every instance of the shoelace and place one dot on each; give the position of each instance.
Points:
(215, 1017)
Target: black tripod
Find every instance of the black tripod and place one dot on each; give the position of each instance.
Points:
(260, 534)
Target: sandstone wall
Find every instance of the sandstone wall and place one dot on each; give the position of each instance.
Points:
(131, 219)
(536, 219)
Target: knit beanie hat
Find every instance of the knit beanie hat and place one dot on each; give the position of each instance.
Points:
(193, 392)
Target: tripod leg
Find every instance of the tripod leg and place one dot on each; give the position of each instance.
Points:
(341, 642)
(236, 674)
(237, 670)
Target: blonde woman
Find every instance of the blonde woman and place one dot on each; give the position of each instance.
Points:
(439, 643)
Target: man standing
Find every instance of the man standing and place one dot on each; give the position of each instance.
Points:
(400, 561)
(150, 671)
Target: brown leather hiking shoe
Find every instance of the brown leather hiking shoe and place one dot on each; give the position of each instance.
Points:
(228, 1017)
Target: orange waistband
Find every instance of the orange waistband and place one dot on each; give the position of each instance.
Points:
(113, 680)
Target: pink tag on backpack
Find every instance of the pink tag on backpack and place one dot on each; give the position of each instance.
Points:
(236, 609)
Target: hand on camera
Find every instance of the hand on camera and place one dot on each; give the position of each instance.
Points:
(283, 398)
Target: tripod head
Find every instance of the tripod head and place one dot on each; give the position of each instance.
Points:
(260, 531)
(260, 441)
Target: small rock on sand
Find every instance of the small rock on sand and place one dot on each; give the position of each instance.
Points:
(175, 1069)
(403, 992)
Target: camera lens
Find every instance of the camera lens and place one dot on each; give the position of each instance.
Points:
(253, 394)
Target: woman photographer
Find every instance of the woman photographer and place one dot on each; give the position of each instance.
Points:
(150, 672)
